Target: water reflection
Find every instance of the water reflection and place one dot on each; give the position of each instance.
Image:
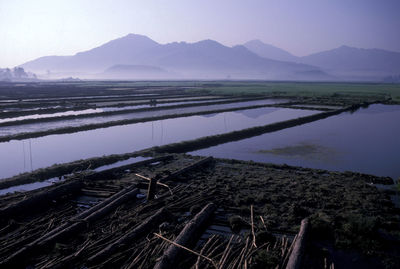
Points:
(34, 127)
(366, 141)
(53, 115)
(27, 155)
(53, 149)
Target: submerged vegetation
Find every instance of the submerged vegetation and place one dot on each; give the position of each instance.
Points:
(312, 151)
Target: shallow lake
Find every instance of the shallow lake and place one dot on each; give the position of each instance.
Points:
(366, 141)
(24, 155)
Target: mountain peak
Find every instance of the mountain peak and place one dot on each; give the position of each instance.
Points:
(269, 51)
(345, 47)
(356, 62)
(209, 42)
(122, 45)
(135, 36)
(255, 41)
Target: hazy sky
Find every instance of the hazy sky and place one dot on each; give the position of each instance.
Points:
(34, 28)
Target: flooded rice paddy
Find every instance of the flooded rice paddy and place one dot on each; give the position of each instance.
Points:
(366, 141)
(34, 127)
(30, 154)
(321, 136)
(52, 115)
(74, 112)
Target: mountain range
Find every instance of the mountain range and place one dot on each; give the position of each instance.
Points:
(344, 63)
(139, 57)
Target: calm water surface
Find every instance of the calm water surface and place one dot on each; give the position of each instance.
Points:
(24, 155)
(94, 111)
(34, 127)
(366, 141)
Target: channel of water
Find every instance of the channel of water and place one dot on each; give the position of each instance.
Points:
(366, 141)
(29, 154)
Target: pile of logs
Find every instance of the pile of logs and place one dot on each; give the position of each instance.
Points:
(126, 231)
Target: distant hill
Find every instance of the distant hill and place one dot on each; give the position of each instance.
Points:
(119, 51)
(357, 63)
(137, 56)
(206, 59)
(269, 51)
(343, 63)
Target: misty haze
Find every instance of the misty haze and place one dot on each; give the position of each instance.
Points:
(199, 134)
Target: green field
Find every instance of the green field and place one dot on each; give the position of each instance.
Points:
(304, 89)
(360, 91)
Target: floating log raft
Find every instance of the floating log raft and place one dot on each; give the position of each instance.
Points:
(75, 224)
(185, 237)
(109, 235)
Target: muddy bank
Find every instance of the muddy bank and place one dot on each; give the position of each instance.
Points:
(58, 170)
(258, 210)
(18, 112)
(21, 108)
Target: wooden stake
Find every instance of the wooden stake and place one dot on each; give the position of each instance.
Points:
(151, 191)
(252, 227)
(158, 183)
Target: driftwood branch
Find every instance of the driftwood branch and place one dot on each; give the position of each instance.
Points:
(298, 247)
(187, 249)
(185, 237)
